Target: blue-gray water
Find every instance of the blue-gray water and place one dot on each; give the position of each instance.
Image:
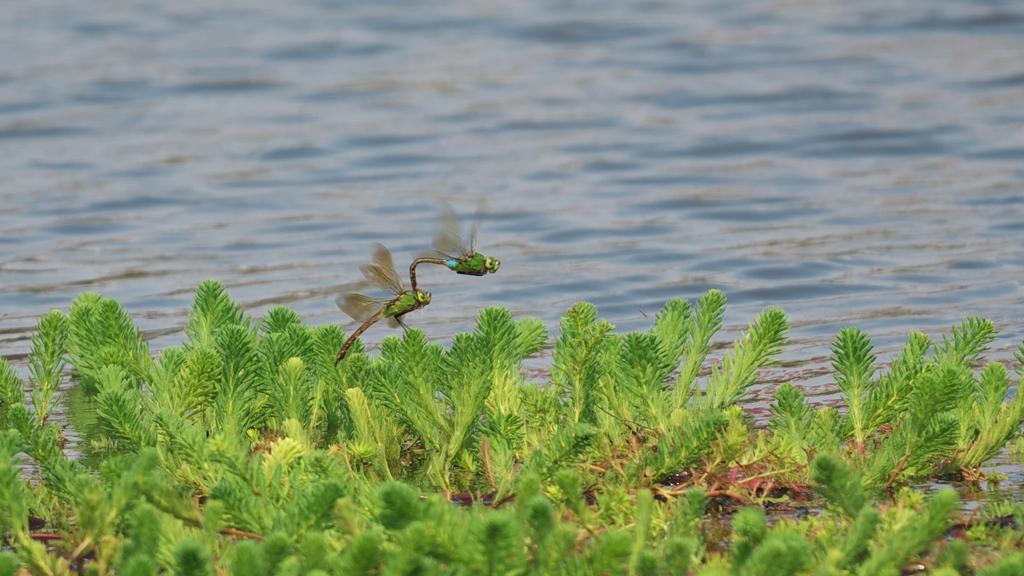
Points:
(855, 163)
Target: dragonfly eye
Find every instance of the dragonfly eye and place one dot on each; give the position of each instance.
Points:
(423, 298)
(491, 264)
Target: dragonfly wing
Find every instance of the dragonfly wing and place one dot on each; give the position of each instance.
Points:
(449, 238)
(481, 209)
(381, 270)
(361, 308)
(436, 254)
(394, 322)
(470, 247)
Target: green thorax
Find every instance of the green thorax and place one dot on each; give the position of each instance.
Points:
(477, 264)
(474, 263)
(406, 302)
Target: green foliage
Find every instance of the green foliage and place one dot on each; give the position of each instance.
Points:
(8, 564)
(930, 413)
(214, 310)
(1012, 565)
(910, 539)
(399, 505)
(781, 554)
(987, 420)
(13, 492)
(840, 483)
(855, 364)
(143, 533)
(117, 405)
(705, 322)
(583, 358)
(855, 549)
(749, 528)
(247, 451)
(562, 448)
(101, 333)
(12, 393)
(738, 371)
(192, 559)
(47, 361)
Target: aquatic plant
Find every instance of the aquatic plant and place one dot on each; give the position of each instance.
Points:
(929, 415)
(247, 451)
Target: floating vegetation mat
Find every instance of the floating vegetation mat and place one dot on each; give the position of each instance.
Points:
(248, 451)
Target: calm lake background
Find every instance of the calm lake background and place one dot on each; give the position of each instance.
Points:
(855, 163)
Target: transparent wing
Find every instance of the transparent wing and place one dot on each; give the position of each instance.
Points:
(449, 238)
(381, 270)
(394, 322)
(481, 209)
(361, 308)
(470, 248)
(434, 254)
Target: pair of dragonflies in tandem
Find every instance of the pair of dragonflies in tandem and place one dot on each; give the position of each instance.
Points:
(451, 250)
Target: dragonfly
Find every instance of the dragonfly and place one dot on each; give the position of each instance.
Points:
(451, 249)
(369, 310)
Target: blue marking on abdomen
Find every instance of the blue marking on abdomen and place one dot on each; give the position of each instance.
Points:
(452, 264)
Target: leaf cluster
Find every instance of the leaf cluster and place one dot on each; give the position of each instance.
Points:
(930, 415)
(247, 451)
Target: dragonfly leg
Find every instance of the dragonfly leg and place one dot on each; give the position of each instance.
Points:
(398, 318)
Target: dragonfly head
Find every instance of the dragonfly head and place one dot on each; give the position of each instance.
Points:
(491, 264)
(422, 298)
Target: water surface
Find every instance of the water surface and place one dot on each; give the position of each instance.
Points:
(853, 163)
